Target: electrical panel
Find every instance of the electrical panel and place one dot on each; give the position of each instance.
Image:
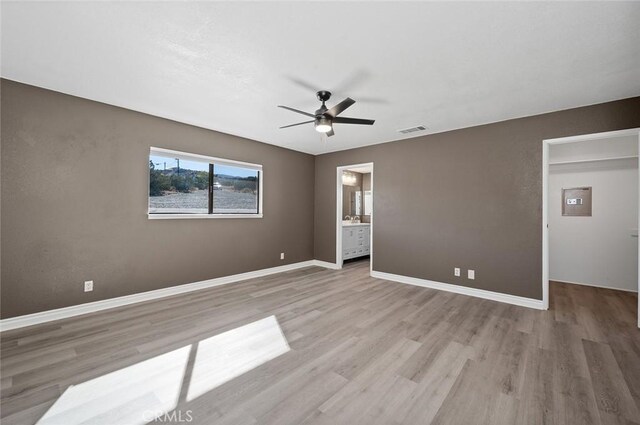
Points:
(576, 201)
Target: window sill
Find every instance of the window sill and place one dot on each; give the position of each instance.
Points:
(192, 216)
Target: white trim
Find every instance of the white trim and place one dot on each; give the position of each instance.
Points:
(473, 292)
(545, 226)
(339, 261)
(92, 307)
(594, 136)
(209, 159)
(545, 195)
(581, 161)
(568, 282)
(161, 216)
(326, 265)
(371, 219)
(339, 171)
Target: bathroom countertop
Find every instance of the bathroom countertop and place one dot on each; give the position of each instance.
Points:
(355, 224)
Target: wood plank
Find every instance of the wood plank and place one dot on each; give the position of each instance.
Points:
(612, 394)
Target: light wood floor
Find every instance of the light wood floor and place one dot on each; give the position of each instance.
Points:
(316, 346)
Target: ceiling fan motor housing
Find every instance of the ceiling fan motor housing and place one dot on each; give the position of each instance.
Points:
(323, 95)
(323, 120)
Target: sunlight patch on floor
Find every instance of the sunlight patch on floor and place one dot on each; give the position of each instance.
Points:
(122, 396)
(138, 393)
(223, 357)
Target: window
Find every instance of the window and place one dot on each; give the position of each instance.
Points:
(185, 185)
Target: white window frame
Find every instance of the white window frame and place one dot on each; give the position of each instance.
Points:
(212, 160)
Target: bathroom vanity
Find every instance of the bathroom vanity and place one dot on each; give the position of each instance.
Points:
(356, 238)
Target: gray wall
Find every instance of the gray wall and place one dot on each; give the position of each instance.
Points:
(74, 192)
(469, 198)
(74, 202)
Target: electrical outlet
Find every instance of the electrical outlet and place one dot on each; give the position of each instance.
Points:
(282, 255)
(88, 286)
(471, 274)
(456, 271)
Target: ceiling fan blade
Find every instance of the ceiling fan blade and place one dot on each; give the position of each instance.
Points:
(300, 123)
(345, 120)
(330, 133)
(297, 110)
(337, 109)
(303, 83)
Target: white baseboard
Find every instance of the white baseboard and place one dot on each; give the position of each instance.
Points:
(76, 310)
(326, 265)
(593, 285)
(473, 292)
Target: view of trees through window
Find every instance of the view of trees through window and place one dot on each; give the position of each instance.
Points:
(186, 186)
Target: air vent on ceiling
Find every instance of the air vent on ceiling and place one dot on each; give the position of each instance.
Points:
(412, 129)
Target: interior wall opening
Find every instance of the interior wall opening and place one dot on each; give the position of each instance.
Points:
(592, 204)
(354, 214)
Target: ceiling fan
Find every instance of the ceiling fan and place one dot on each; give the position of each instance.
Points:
(324, 118)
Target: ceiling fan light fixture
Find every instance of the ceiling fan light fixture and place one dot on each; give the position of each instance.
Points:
(323, 125)
(323, 128)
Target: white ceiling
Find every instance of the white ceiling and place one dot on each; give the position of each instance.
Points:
(225, 66)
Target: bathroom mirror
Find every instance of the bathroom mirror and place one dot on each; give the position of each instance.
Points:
(349, 200)
(356, 202)
(368, 199)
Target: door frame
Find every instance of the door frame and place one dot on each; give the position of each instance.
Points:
(339, 171)
(545, 196)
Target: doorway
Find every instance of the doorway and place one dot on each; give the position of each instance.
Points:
(354, 214)
(591, 198)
